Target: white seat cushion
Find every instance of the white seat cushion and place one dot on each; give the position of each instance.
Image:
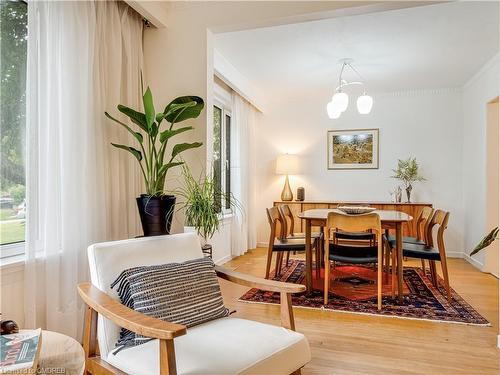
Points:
(225, 346)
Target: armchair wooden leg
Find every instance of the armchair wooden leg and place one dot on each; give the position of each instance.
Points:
(287, 320)
(167, 358)
(89, 336)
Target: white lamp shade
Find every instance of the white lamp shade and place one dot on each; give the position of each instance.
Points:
(332, 113)
(287, 164)
(340, 101)
(364, 104)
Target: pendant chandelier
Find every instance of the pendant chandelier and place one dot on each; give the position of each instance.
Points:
(340, 100)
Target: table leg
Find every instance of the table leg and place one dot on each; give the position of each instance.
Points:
(399, 250)
(308, 257)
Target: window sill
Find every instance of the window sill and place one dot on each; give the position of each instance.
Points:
(12, 262)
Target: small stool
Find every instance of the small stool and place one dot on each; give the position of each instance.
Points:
(60, 354)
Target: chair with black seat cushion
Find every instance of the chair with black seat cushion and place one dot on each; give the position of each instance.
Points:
(278, 242)
(422, 223)
(289, 232)
(361, 254)
(429, 252)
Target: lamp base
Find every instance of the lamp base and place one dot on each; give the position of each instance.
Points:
(286, 194)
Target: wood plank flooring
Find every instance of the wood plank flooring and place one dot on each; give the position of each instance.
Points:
(344, 343)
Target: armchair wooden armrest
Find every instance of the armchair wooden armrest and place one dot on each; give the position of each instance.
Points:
(127, 318)
(285, 290)
(99, 302)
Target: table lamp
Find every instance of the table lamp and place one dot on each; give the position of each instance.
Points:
(287, 164)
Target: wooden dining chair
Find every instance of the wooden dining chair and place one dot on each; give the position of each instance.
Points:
(289, 232)
(429, 252)
(350, 253)
(422, 224)
(278, 242)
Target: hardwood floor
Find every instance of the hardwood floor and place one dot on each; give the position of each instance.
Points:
(344, 343)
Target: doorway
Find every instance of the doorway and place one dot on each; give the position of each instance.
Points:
(492, 262)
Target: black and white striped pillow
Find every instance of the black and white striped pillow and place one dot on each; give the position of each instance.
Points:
(186, 293)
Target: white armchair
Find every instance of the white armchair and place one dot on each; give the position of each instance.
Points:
(223, 346)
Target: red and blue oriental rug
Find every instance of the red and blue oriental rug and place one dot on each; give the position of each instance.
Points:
(353, 289)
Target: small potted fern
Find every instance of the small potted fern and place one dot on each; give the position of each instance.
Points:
(407, 172)
(201, 201)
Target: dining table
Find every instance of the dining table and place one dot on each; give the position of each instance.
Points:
(390, 220)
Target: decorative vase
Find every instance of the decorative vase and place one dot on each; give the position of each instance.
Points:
(408, 193)
(156, 213)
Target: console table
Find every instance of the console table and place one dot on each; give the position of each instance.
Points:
(412, 209)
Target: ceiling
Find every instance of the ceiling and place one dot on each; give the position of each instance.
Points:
(428, 47)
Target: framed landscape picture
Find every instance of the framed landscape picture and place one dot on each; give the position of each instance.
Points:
(353, 149)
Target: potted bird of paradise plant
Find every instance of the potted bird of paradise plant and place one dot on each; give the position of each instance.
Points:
(153, 133)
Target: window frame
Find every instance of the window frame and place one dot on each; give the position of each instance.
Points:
(221, 102)
(17, 248)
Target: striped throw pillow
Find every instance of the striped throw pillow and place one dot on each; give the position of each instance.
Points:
(186, 293)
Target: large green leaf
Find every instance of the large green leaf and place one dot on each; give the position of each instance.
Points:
(147, 100)
(153, 131)
(132, 150)
(181, 147)
(165, 167)
(136, 135)
(167, 134)
(486, 241)
(183, 108)
(159, 117)
(137, 118)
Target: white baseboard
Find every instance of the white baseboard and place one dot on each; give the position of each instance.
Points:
(223, 260)
(262, 244)
(473, 261)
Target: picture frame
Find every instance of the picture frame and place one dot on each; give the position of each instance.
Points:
(353, 149)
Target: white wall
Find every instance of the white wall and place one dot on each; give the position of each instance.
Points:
(178, 59)
(481, 89)
(423, 124)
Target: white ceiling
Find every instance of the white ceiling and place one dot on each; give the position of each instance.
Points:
(434, 46)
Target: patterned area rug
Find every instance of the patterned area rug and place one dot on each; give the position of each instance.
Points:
(353, 289)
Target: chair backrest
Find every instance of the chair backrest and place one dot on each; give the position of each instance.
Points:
(108, 259)
(422, 222)
(276, 223)
(439, 218)
(288, 220)
(354, 223)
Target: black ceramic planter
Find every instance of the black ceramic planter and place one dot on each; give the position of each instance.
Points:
(156, 213)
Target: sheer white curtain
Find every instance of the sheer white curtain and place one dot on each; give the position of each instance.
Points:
(83, 58)
(244, 121)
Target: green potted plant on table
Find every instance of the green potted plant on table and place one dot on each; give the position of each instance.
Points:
(407, 172)
(201, 201)
(155, 207)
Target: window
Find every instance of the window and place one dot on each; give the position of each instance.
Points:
(13, 41)
(222, 156)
